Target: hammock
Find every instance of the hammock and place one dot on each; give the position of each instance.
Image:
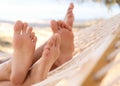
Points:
(93, 57)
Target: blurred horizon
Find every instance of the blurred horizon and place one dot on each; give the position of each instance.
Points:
(36, 10)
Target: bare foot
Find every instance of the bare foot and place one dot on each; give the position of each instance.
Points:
(67, 38)
(50, 54)
(24, 42)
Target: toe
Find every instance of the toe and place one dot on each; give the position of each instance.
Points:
(67, 27)
(25, 25)
(59, 24)
(70, 9)
(45, 52)
(32, 35)
(63, 25)
(54, 26)
(34, 40)
(71, 6)
(69, 18)
(29, 31)
(18, 27)
(49, 43)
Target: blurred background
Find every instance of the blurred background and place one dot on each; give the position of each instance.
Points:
(36, 10)
(38, 14)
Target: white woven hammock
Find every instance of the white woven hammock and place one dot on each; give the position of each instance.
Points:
(90, 44)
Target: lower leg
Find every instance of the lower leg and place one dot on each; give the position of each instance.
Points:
(5, 83)
(5, 70)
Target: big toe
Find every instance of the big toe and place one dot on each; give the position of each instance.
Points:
(70, 8)
(18, 27)
(71, 5)
(54, 26)
(69, 18)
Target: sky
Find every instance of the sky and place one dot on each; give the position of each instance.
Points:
(36, 10)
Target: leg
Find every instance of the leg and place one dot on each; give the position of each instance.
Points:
(5, 71)
(41, 68)
(5, 83)
(24, 42)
